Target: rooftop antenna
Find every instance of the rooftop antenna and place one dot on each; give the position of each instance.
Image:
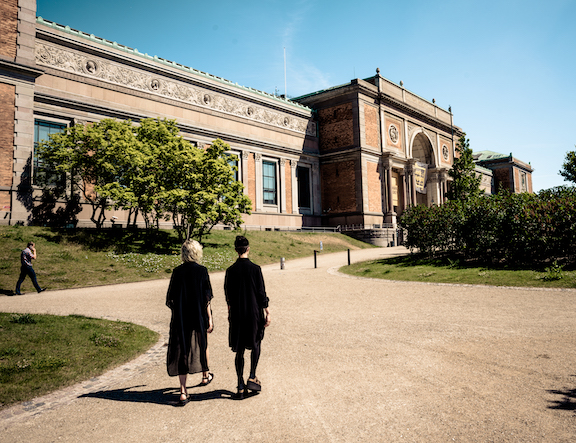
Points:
(285, 91)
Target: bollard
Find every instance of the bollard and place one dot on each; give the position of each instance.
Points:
(315, 251)
(321, 246)
(348, 257)
(282, 263)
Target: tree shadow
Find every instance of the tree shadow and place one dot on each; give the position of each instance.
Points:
(165, 396)
(46, 213)
(24, 188)
(567, 402)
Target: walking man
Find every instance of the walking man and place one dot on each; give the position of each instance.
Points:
(248, 313)
(26, 268)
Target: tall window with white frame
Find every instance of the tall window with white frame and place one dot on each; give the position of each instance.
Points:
(270, 191)
(42, 174)
(303, 176)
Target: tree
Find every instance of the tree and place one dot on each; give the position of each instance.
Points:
(95, 157)
(568, 170)
(205, 192)
(466, 183)
(152, 170)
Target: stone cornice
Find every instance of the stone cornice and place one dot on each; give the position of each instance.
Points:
(19, 69)
(100, 69)
(66, 36)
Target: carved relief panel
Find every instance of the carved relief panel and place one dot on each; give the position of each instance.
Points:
(104, 70)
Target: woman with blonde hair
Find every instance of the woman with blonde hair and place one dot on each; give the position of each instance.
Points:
(189, 296)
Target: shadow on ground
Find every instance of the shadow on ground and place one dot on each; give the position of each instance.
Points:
(567, 402)
(166, 396)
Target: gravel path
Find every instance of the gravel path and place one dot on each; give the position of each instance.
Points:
(345, 359)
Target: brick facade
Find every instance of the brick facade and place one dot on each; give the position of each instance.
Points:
(339, 187)
(7, 109)
(502, 178)
(374, 187)
(251, 165)
(372, 126)
(8, 28)
(336, 127)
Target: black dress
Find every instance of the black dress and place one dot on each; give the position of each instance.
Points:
(188, 296)
(246, 296)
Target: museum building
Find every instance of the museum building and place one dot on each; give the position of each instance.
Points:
(355, 154)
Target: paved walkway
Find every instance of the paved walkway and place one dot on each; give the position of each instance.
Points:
(345, 359)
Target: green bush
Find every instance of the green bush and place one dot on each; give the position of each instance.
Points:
(517, 229)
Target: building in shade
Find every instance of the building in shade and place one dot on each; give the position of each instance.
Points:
(507, 171)
(354, 154)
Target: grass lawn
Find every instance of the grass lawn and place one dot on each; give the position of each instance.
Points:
(86, 257)
(42, 353)
(417, 268)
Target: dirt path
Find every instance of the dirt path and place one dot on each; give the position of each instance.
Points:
(346, 359)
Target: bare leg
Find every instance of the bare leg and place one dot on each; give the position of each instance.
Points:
(183, 390)
(205, 373)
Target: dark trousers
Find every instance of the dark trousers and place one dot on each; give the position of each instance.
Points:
(254, 357)
(24, 271)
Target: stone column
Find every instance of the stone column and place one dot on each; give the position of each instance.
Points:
(282, 202)
(258, 180)
(244, 170)
(316, 197)
(390, 215)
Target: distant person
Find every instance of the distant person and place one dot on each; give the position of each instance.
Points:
(26, 268)
(248, 313)
(189, 296)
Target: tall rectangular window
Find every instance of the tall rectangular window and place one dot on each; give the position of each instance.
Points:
(43, 174)
(269, 182)
(303, 176)
(232, 159)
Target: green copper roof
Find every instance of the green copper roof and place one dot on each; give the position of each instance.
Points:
(488, 155)
(157, 59)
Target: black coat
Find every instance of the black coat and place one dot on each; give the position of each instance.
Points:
(188, 297)
(246, 297)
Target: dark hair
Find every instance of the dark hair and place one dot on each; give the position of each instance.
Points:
(241, 244)
(30, 243)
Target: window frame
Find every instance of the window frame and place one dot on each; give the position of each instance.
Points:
(275, 164)
(308, 168)
(238, 154)
(35, 166)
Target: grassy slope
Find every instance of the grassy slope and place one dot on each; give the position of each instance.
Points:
(414, 268)
(79, 258)
(42, 353)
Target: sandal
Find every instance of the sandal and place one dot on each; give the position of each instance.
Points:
(207, 380)
(183, 402)
(239, 395)
(254, 384)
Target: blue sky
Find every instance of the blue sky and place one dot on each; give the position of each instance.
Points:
(506, 67)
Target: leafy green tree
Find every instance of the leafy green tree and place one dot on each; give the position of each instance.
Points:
(466, 183)
(151, 170)
(568, 170)
(95, 157)
(204, 192)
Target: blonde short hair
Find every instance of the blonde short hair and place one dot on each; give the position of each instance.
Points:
(191, 251)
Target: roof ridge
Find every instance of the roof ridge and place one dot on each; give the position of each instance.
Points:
(157, 59)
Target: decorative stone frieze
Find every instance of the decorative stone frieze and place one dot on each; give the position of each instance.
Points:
(101, 69)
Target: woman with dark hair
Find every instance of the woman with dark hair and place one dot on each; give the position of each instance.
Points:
(189, 296)
(248, 313)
